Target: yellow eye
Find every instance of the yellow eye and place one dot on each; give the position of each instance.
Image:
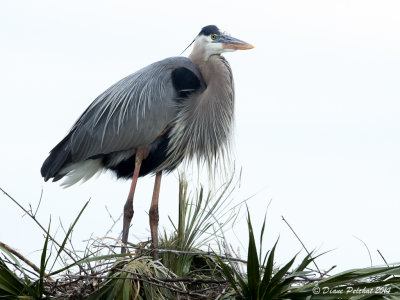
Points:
(213, 36)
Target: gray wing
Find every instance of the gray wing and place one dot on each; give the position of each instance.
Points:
(131, 113)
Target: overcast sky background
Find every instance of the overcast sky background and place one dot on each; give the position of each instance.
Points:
(317, 115)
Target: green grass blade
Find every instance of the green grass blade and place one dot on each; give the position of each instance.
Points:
(229, 273)
(68, 234)
(87, 260)
(279, 275)
(272, 289)
(268, 269)
(261, 238)
(43, 263)
(357, 274)
(10, 284)
(253, 267)
(126, 290)
(16, 261)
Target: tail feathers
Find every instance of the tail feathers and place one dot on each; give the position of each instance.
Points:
(59, 165)
(80, 171)
(58, 158)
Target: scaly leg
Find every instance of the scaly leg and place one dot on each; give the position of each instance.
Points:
(141, 154)
(153, 214)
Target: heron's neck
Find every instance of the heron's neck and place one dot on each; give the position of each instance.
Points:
(215, 71)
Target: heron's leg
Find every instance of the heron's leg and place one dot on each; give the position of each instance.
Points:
(153, 214)
(141, 154)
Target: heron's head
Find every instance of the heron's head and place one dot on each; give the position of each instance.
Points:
(211, 41)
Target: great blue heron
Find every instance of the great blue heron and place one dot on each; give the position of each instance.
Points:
(152, 120)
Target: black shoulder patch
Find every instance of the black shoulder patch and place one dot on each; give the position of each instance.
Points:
(210, 29)
(185, 82)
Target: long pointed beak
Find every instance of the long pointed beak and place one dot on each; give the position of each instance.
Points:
(234, 43)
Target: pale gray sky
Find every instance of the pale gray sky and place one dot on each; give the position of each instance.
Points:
(317, 110)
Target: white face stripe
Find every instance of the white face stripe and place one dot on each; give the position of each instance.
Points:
(209, 47)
